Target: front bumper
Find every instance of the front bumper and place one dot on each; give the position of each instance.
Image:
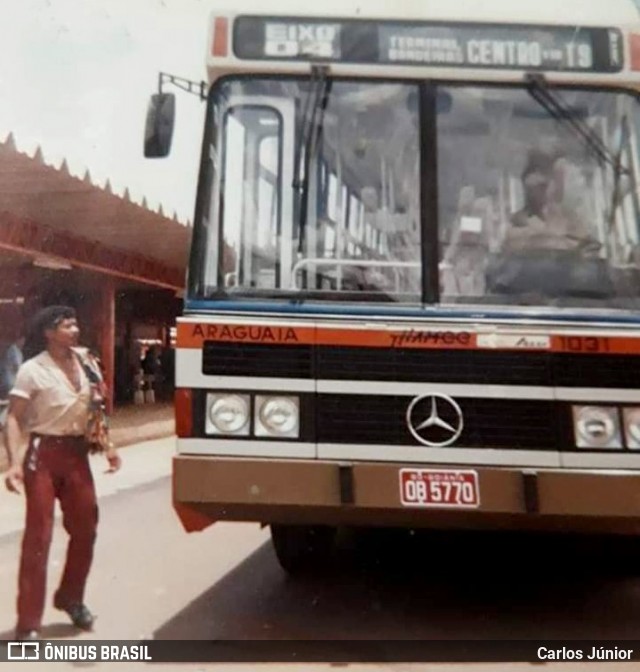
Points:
(209, 488)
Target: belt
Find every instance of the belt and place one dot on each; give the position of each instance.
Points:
(59, 438)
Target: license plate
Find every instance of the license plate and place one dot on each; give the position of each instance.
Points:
(439, 488)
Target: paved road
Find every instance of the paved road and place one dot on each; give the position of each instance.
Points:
(150, 579)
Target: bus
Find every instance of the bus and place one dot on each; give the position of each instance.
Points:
(414, 284)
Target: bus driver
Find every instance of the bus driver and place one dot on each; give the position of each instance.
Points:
(548, 220)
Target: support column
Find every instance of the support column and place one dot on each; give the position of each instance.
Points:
(105, 321)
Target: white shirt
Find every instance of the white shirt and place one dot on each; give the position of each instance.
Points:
(56, 407)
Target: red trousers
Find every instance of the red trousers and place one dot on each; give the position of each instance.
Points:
(55, 467)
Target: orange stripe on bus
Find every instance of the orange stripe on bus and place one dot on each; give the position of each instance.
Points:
(596, 345)
(382, 338)
(194, 336)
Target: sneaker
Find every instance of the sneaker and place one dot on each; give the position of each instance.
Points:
(80, 616)
(27, 635)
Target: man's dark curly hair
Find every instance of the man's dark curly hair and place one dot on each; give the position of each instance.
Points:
(47, 318)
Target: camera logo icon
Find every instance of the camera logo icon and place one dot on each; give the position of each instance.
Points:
(23, 651)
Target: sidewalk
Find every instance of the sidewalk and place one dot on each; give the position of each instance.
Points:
(141, 463)
(133, 424)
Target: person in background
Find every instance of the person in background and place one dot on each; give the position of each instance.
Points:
(11, 362)
(51, 399)
(152, 367)
(167, 366)
(151, 363)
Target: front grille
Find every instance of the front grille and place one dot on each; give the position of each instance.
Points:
(616, 371)
(434, 366)
(474, 367)
(267, 361)
(488, 423)
(376, 419)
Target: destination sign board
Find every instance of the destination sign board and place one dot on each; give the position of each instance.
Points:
(463, 45)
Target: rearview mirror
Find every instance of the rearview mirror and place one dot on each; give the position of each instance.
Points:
(158, 131)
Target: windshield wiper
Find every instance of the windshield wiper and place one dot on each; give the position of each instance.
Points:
(312, 122)
(616, 195)
(552, 102)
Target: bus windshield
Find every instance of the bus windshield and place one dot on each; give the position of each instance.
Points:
(370, 190)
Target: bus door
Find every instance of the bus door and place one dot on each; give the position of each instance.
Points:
(256, 209)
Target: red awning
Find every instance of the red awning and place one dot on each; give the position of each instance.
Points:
(46, 211)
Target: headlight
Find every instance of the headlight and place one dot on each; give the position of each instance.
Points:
(228, 414)
(277, 416)
(632, 427)
(596, 427)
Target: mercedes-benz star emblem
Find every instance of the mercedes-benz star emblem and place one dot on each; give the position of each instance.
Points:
(435, 420)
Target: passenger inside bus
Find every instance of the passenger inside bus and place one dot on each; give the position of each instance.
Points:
(528, 213)
(549, 248)
(548, 220)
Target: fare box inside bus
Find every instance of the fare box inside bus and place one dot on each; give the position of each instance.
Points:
(414, 287)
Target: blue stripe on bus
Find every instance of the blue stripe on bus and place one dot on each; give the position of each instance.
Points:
(201, 306)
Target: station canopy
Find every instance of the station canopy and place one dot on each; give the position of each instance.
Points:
(52, 217)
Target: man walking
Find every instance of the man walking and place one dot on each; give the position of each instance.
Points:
(51, 398)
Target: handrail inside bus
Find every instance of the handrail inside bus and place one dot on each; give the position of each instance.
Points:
(372, 263)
